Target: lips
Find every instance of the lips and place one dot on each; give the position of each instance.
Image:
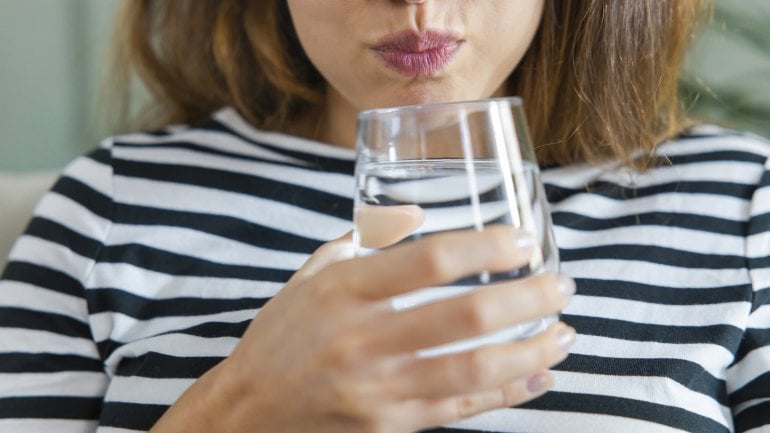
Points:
(417, 54)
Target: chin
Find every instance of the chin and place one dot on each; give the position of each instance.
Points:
(422, 96)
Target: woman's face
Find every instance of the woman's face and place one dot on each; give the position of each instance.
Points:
(382, 53)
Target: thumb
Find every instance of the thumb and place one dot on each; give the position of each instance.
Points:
(378, 227)
(382, 226)
(328, 253)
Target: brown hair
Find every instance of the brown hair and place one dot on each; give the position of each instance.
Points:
(599, 80)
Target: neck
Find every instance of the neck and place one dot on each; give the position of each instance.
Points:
(337, 121)
(334, 122)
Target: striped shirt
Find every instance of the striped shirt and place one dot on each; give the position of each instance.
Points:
(145, 263)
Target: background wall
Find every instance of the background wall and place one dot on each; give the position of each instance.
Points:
(51, 65)
(50, 69)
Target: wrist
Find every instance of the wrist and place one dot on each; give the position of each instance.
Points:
(212, 403)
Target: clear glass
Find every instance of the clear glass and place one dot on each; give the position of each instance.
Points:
(432, 168)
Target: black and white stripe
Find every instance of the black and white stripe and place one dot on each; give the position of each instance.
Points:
(145, 263)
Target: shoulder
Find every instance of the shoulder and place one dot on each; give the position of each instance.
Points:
(711, 159)
(700, 158)
(705, 145)
(224, 153)
(224, 136)
(707, 171)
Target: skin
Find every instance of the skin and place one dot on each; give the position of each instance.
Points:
(347, 363)
(338, 37)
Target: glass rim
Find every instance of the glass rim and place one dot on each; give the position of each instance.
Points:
(515, 101)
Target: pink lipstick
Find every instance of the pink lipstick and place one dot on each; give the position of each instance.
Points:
(417, 54)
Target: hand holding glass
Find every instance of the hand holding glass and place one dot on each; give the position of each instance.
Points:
(452, 166)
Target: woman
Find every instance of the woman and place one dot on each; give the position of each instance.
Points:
(164, 284)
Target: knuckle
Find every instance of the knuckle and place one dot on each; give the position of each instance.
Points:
(511, 394)
(325, 249)
(325, 292)
(336, 247)
(333, 280)
(481, 370)
(469, 405)
(435, 260)
(358, 400)
(324, 281)
(554, 293)
(477, 313)
(465, 406)
(544, 293)
(532, 355)
(501, 248)
(506, 253)
(350, 402)
(345, 353)
(541, 355)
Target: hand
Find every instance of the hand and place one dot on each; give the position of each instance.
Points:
(329, 353)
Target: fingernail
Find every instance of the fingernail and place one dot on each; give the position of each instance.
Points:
(525, 240)
(538, 383)
(566, 286)
(565, 338)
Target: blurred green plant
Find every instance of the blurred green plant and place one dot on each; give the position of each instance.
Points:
(727, 72)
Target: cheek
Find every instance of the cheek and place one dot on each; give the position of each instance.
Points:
(322, 29)
(316, 22)
(511, 35)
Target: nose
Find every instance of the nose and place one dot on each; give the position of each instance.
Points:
(418, 15)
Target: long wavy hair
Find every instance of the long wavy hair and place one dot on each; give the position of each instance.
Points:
(599, 80)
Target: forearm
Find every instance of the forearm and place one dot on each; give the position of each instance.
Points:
(208, 405)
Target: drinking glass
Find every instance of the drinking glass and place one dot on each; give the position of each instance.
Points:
(432, 168)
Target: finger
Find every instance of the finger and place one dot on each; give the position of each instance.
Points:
(452, 409)
(382, 226)
(484, 368)
(333, 251)
(433, 261)
(482, 311)
(378, 227)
